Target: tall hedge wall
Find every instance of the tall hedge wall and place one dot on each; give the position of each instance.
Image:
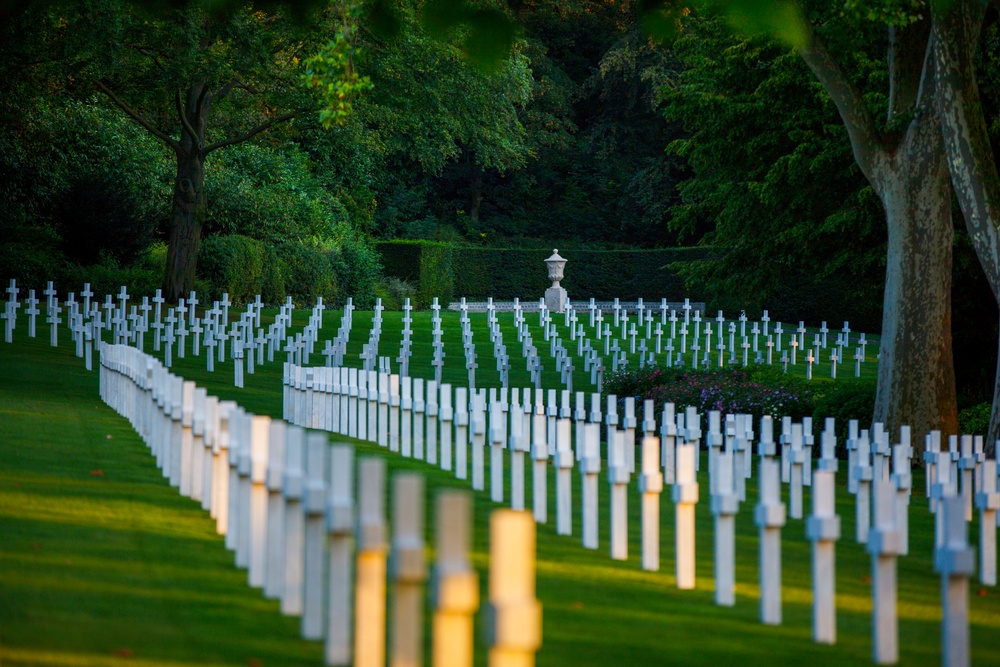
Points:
(429, 264)
(505, 273)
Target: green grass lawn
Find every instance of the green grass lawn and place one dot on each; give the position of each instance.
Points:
(101, 562)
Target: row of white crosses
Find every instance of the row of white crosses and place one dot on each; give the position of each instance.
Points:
(468, 346)
(545, 430)
(286, 502)
(626, 340)
(642, 329)
(630, 338)
(336, 349)
(549, 429)
(83, 330)
(985, 496)
(172, 326)
(889, 529)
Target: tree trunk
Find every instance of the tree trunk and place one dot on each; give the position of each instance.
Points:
(186, 218)
(971, 162)
(916, 372)
(916, 380)
(189, 204)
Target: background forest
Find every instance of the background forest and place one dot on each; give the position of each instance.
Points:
(590, 136)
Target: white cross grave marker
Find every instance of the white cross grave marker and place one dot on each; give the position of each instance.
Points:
(456, 582)
(770, 517)
(370, 577)
(823, 530)
(955, 561)
(409, 570)
(685, 497)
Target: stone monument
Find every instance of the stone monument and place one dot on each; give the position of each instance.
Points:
(555, 296)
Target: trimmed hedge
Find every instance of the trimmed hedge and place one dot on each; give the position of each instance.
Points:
(447, 271)
(427, 264)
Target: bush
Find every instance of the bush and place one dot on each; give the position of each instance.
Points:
(756, 390)
(843, 400)
(245, 267)
(358, 271)
(437, 277)
(638, 382)
(975, 420)
(308, 273)
(32, 256)
(107, 277)
(240, 266)
(394, 293)
(35, 258)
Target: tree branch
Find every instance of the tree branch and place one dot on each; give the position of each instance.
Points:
(136, 117)
(224, 90)
(907, 50)
(184, 120)
(228, 87)
(201, 98)
(252, 133)
(146, 51)
(866, 140)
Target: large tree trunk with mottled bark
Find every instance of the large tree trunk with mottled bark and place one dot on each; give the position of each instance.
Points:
(916, 380)
(971, 162)
(908, 171)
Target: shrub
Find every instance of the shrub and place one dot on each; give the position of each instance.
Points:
(155, 258)
(394, 293)
(245, 267)
(358, 270)
(107, 277)
(843, 400)
(31, 255)
(308, 273)
(427, 263)
(975, 420)
(240, 266)
(437, 278)
(754, 390)
(638, 382)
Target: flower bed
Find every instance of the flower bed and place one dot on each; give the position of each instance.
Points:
(756, 390)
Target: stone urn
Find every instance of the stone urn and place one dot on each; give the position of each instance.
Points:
(555, 296)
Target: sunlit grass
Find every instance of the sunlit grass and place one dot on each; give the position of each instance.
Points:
(94, 565)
